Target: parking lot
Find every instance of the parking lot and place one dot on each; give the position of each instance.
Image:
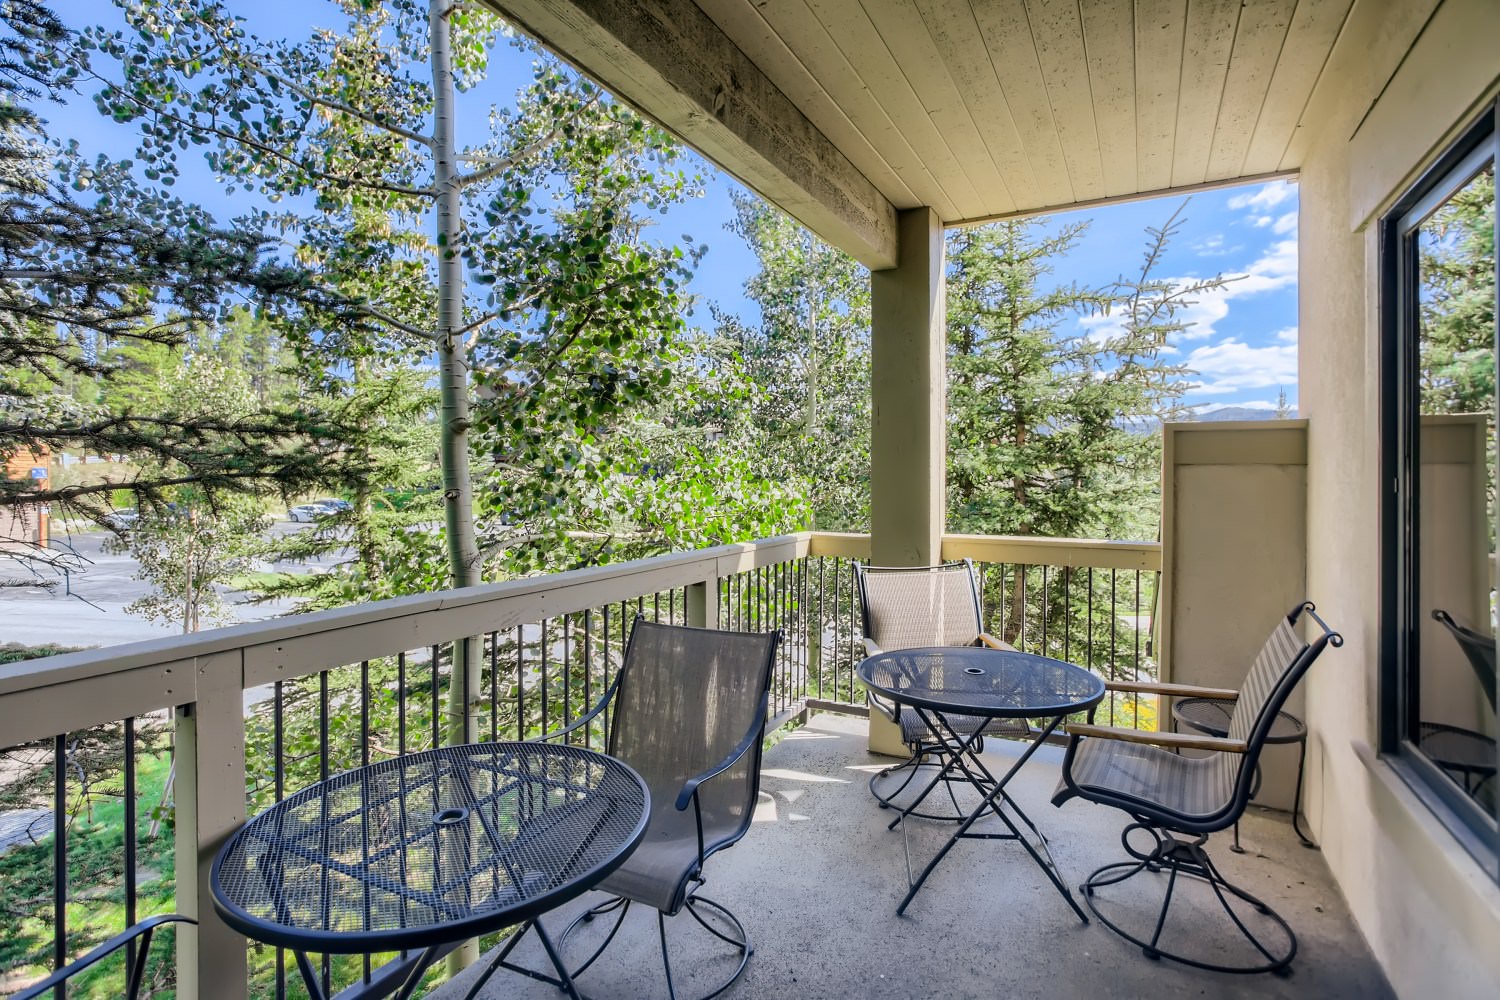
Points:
(85, 605)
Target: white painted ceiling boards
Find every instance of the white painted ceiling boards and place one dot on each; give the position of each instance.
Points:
(977, 108)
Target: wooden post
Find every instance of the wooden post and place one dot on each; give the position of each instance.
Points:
(908, 397)
(703, 604)
(210, 805)
(908, 455)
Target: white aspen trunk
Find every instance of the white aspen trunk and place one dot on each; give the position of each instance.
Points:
(458, 489)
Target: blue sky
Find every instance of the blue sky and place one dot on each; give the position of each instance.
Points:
(1243, 341)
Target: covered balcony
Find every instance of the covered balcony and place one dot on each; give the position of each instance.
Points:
(878, 124)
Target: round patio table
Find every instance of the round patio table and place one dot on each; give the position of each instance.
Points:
(429, 849)
(942, 681)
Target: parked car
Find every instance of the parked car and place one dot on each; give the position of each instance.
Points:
(335, 505)
(122, 520)
(307, 512)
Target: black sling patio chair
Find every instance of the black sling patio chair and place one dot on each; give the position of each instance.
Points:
(1179, 800)
(903, 607)
(136, 939)
(687, 712)
(1469, 756)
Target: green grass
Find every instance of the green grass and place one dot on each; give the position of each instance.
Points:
(96, 895)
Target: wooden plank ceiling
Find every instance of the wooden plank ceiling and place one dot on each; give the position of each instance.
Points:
(984, 108)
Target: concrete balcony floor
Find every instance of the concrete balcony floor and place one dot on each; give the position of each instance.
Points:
(818, 878)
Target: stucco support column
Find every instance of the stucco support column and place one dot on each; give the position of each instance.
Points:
(908, 399)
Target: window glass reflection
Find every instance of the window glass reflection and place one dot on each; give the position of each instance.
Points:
(1456, 487)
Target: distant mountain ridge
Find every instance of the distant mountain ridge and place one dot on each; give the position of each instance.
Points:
(1234, 413)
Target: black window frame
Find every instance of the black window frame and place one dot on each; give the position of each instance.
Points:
(1476, 830)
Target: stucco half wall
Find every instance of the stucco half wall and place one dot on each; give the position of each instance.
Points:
(1413, 74)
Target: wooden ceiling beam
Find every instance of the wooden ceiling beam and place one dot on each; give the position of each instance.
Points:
(671, 62)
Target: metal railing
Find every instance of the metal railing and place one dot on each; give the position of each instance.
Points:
(256, 711)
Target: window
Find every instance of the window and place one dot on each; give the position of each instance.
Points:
(1438, 307)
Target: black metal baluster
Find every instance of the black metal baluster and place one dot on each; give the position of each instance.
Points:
(588, 673)
(327, 969)
(853, 597)
(494, 687)
(1067, 613)
(567, 677)
(1021, 569)
(437, 740)
(546, 694)
(465, 688)
(1135, 670)
(520, 684)
(364, 761)
(1090, 654)
(1113, 620)
(604, 641)
(1046, 608)
(401, 703)
(130, 840)
(822, 667)
(278, 771)
(1005, 606)
(60, 858)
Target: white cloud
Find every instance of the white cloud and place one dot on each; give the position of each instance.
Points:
(1287, 336)
(1232, 366)
(1274, 269)
(1265, 197)
(1213, 246)
(1285, 223)
(1261, 221)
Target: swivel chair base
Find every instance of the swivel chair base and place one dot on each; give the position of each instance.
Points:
(1176, 858)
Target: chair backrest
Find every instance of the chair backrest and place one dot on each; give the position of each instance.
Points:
(907, 606)
(1479, 648)
(1277, 669)
(687, 698)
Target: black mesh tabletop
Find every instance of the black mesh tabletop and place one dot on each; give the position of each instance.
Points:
(430, 847)
(975, 680)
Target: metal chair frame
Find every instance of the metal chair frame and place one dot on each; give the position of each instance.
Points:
(686, 896)
(1179, 838)
(925, 752)
(142, 930)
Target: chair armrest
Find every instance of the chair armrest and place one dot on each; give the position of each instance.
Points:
(585, 720)
(1174, 741)
(872, 648)
(144, 928)
(757, 730)
(985, 639)
(1174, 690)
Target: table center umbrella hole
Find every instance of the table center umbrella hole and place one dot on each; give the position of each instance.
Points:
(450, 817)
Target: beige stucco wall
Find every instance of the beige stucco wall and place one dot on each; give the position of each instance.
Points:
(1233, 495)
(1431, 915)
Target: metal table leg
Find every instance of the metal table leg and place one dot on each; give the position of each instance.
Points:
(1297, 797)
(993, 801)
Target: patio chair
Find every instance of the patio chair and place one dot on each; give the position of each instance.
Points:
(903, 607)
(1469, 756)
(688, 712)
(1179, 800)
(137, 937)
